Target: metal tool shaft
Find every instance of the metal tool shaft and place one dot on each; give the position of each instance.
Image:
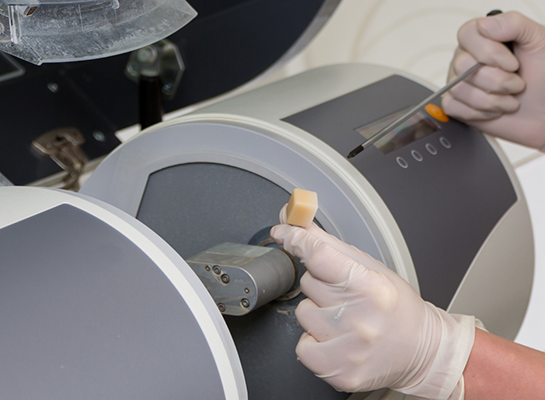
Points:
(380, 134)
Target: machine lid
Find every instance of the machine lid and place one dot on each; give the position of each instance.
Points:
(41, 31)
(95, 305)
(228, 44)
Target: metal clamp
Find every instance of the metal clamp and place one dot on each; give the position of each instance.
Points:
(292, 294)
(63, 146)
(241, 277)
(163, 60)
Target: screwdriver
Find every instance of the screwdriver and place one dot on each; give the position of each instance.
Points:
(390, 127)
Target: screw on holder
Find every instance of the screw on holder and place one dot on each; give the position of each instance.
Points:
(245, 303)
(63, 147)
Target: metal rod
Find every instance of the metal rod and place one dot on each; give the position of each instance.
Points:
(390, 127)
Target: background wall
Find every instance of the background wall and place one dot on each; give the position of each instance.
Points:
(417, 36)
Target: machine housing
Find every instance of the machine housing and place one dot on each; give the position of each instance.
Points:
(443, 208)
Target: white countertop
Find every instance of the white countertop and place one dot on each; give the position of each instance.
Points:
(532, 177)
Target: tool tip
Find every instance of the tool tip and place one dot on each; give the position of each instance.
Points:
(355, 152)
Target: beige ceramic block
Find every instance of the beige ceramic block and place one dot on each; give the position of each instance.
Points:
(302, 207)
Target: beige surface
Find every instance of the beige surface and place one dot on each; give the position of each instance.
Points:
(532, 178)
(302, 207)
(418, 37)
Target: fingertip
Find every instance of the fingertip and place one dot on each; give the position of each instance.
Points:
(451, 106)
(305, 342)
(459, 110)
(446, 101)
(461, 62)
(273, 233)
(506, 60)
(509, 104)
(467, 30)
(505, 27)
(304, 281)
(283, 214)
(303, 308)
(279, 232)
(486, 39)
(515, 85)
(490, 26)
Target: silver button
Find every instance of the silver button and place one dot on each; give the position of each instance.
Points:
(402, 163)
(416, 155)
(432, 150)
(445, 142)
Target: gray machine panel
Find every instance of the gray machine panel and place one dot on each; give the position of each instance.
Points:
(469, 196)
(215, 203)
(87, 315)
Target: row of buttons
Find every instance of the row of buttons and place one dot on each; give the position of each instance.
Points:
(418, 157)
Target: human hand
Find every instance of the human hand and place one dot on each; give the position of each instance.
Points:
(366, 328)
(505, 97)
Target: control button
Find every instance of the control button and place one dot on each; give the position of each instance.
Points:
(402, 163)
(432, 150)
(445, 142)
(416, 155)
(436, 112)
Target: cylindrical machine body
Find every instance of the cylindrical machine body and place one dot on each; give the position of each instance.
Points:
(440, 205)
(242, 277)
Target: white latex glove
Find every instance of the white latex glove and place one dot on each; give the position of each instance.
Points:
(506, 97)
(366, 328)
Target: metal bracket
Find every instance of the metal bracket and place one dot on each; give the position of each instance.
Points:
(242, 277)
(63, 146)
(163, 60)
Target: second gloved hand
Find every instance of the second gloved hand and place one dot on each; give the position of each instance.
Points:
(505, 98)
(366, 328)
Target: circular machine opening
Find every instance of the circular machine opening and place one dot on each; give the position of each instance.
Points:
(195, 206)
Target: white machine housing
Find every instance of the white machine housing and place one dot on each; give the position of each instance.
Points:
(94, 304)
(260, 133)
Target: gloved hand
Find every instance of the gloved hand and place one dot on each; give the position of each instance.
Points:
(506, 97)
(366, 328)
